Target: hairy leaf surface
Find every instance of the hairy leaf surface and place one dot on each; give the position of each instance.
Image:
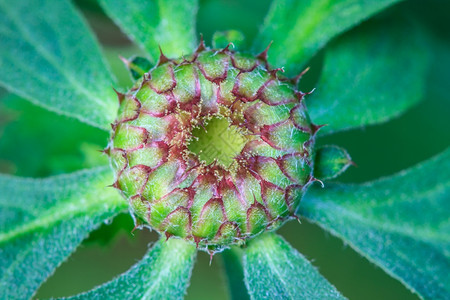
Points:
(275, 270)
(330, 162)
(157, 23)
(50, 57)
(401, 223)
(232, 262)
(42, 221)
(370, 75)
(300, 28)
(163, 273)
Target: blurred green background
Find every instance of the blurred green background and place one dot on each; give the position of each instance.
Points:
(37, 143)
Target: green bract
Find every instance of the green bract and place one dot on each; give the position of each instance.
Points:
(214, 147)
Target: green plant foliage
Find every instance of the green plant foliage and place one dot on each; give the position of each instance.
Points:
(232, 261)
(69, 145)
(309, 25)
(163, 273)
(401, 223)
(62, 72)
(157, 23)
(138, 66)
(362, 83)
(330, 162)
(222, 39)
(370, 75)
(44, 220)
(274, 270)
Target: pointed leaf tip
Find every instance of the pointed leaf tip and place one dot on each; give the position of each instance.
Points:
(330, 162)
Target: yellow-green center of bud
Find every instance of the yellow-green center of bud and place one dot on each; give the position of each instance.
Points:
(218, 141)
(214, 148)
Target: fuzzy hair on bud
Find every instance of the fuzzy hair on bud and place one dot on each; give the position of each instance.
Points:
(213, 148)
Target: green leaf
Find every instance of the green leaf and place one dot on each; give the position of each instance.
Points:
(163, 273)
(138, 66)
(43, 220)
(330, 162)
(400, 223)
(274, 270)
(50, 57)
(221, 39)
(69, 145)
(368, 76)
(299, 28)
(155, 23)
(232, 262)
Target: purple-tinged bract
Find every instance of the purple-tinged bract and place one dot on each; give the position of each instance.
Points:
(214, 148)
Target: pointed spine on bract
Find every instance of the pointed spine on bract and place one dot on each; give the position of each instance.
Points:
(201, 45)
(120, 96)
(264, 55)
(176, 192)
(162, 58)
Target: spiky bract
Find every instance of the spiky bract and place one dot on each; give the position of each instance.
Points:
(220, 202)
